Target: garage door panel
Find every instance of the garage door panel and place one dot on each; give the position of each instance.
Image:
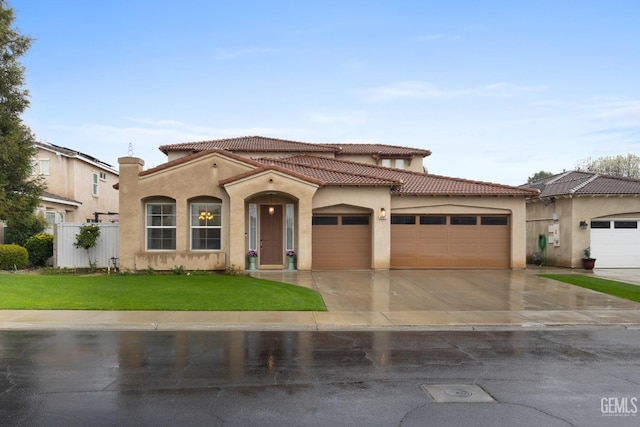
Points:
(341, 247)
(484, 245)
(616, 247)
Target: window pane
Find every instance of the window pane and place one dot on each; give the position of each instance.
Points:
(600, 224)
(625, 224)
(206, 239)
(400, 163)
(324, 220)
(253, 227)
(355, 220)
(161, 238)
(385, 163)
(161, 231)
(493, 220)
(44, 166)
(464, 220)
(290, 225)
(403, 219)
(433, 220)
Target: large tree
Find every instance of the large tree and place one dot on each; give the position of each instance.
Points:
(19, 192)
(628, 166)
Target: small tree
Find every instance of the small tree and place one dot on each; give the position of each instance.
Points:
(538, 176)
(87, 239)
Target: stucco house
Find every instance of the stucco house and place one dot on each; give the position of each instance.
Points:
(577, 210)
(337, 206)
(79, 186)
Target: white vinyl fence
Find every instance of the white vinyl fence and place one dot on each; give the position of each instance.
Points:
(66, 255)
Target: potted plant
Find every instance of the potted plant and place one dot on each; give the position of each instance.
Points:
(252, 255)
(587, 262)
(291, 260)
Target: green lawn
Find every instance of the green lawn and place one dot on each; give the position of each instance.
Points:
(154, 292)
(611, 287)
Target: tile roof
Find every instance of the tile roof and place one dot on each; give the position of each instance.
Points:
(250, 144)
(380, 149)
(406, 183)
(263, 144)
(585, 183)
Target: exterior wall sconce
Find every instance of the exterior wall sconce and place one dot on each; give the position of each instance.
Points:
(583, 225)
(382, 214)
(272, 210)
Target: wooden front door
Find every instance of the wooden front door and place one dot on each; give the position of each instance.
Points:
(271, 232)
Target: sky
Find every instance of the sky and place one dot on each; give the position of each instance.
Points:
(496, 90)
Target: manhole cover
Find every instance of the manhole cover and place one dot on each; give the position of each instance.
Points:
(457, 392)
(450, 393)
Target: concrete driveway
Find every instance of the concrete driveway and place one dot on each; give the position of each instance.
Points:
(395, 299)
(462, 298)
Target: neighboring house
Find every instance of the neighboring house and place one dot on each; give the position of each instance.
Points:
(576, 210)
(79, 186)
(348, 206)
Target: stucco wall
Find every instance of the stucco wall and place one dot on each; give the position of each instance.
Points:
(180, 183)
(570, 211)
(73, 178)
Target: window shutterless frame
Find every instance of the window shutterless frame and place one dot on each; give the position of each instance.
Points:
(160, 226)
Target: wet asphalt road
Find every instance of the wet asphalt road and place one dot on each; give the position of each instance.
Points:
(378, 378)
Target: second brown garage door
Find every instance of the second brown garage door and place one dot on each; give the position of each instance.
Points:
(450, 241)
(341, 242)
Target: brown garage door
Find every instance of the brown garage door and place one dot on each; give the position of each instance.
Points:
(450, 241)
(341, 242)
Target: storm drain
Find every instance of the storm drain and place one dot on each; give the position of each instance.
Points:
(457, 393)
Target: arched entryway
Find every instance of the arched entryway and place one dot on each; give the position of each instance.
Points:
(272, 228)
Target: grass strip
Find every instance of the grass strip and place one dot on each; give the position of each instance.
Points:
(157, 292)
(611, 287)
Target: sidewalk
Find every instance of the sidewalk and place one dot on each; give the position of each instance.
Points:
(389, 300)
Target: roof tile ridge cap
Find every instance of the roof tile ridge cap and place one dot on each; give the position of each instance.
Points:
(492, 184)
(338, 171)
(384, 145)
(583, 184)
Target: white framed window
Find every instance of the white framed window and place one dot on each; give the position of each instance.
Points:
(206, 226)
(44, 167)
(103, 176)
(161, 226)
(399, 163)
(50, 216)
(95, 186)
(385, 163)
(290, 226)
(253, 227)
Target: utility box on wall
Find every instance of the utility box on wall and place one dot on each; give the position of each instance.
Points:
(554, 234)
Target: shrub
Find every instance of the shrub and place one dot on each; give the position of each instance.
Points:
(40, 248)
(13, 256)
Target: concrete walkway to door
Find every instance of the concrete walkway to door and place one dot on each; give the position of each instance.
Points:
(395, 299)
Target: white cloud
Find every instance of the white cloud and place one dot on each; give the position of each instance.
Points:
(614, 108)
(424, 90)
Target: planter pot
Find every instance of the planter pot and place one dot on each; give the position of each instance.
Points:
(588, 263)
(252, 263)
(291, 263)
